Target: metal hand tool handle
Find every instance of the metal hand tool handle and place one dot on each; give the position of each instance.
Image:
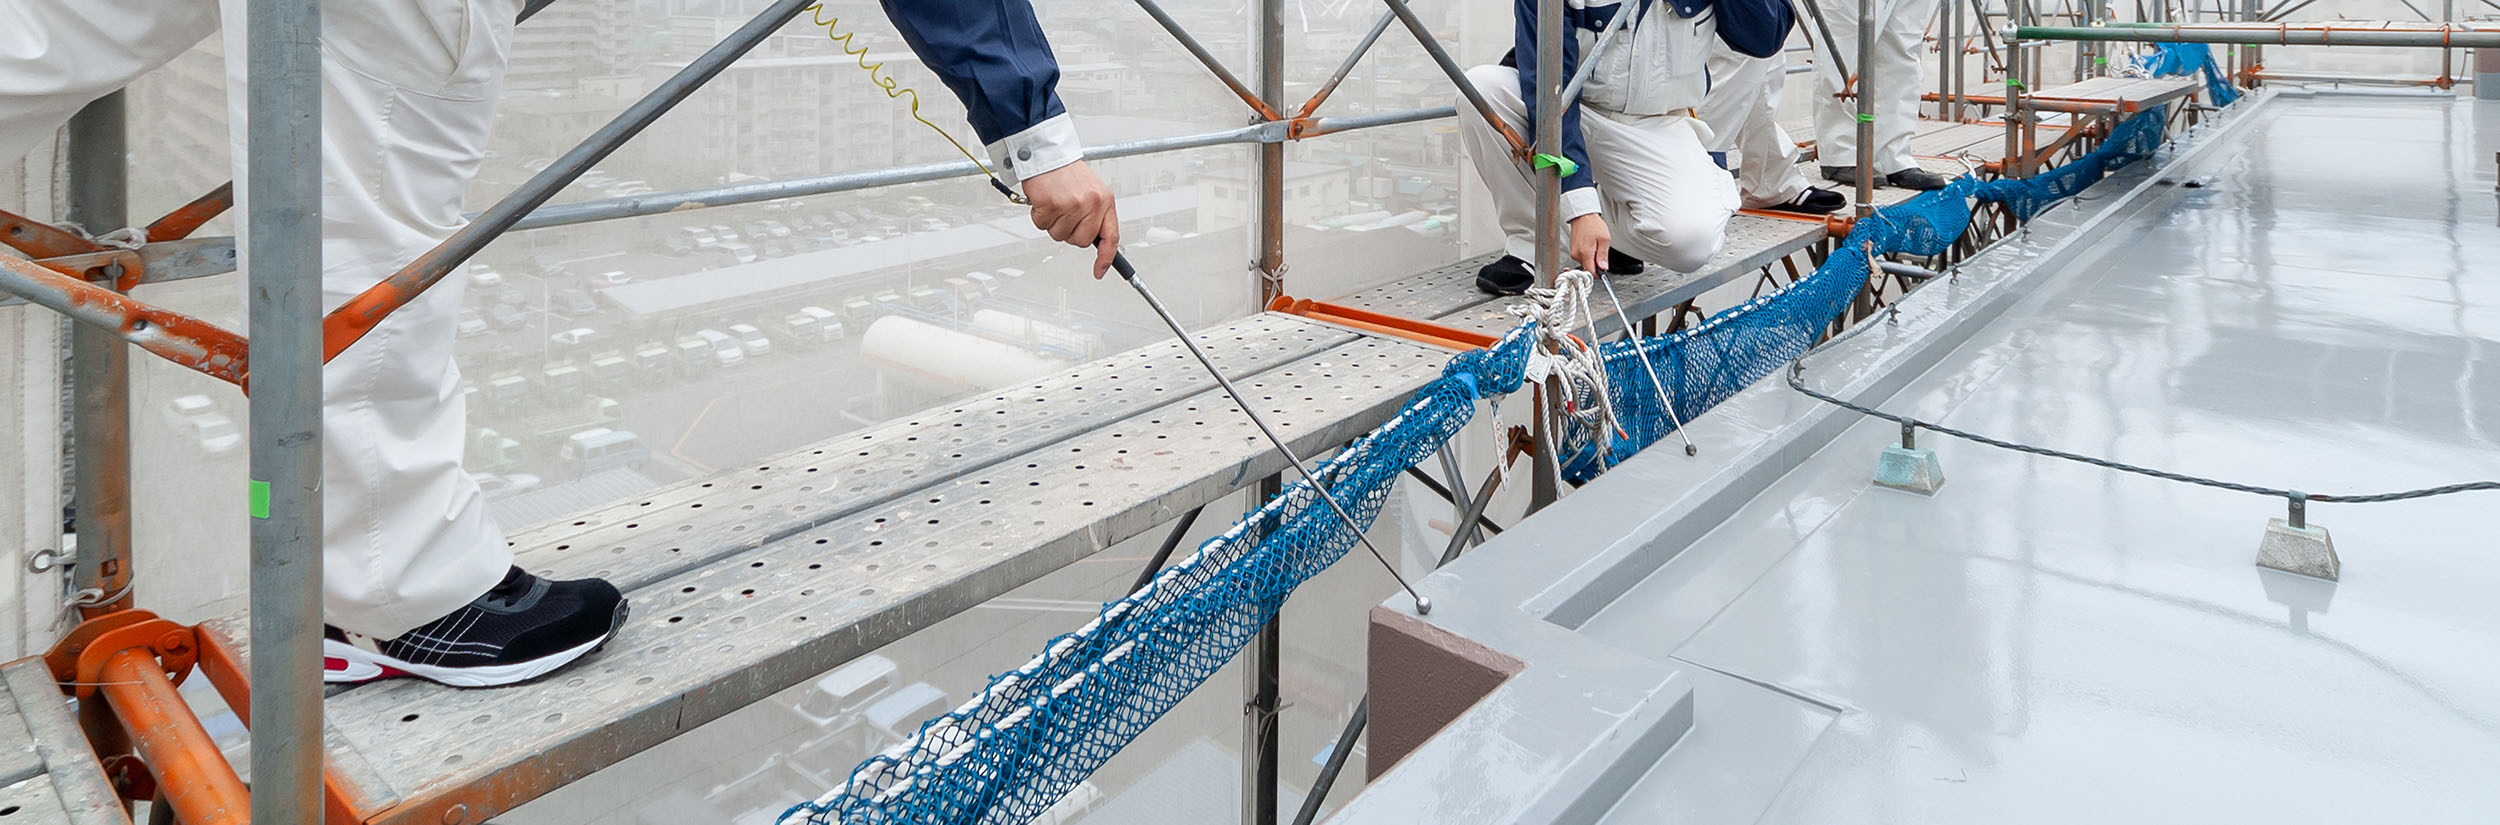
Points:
(1128, 273)
(1647, 367)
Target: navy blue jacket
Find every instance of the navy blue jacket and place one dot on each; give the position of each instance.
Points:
(991, 53)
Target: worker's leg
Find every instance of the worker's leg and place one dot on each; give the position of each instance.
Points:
(1512, 183)
(1742, 112)
(1897, 47)
(1666, 201)
(1835, 117)
(56, 56)
(414, 568)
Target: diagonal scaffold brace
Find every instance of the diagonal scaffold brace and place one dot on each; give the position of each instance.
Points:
(1129, 273)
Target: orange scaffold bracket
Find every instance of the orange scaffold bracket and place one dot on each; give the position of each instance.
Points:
(1423, 332)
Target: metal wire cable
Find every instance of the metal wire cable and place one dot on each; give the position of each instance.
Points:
(1796, 381)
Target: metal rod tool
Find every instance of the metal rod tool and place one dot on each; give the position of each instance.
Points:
(1129, 273)
(1663, 399)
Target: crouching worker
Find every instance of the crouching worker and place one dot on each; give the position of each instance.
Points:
(1639, 185)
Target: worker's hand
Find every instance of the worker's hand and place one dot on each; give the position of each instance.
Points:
(1075, 207)
(1590, 241)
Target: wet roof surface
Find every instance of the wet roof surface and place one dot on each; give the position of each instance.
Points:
(2049, 641)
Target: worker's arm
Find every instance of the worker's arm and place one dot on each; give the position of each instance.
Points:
(993, 55)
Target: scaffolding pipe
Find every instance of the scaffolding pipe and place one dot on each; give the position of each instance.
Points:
(2442, 37)
(1347, 67)
(1458, 76)
(1866, 90)
(283, 252)
(1271, 155)
(361, 314)
(1207, 58)
(100, 373)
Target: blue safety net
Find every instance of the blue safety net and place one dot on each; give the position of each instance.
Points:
(1035, 732)
(2173, 59)
(1038, 730)
(1700, 366)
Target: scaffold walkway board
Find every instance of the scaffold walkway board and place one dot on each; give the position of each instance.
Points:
(47, 773)
(943, 520)
(1939, 139)
(1753, 242)
(2114, 95)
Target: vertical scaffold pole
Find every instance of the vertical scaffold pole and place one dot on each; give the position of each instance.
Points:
(1949, 63)
(1258, 715)
(1271, 25)
(283, 264)
(100, 370)
(1866, 108)
(2016, 165)
(1546, 487)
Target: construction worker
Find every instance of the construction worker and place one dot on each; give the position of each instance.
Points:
(1635, 156)
(417, 578)
(1743, 114)
(1900, 27)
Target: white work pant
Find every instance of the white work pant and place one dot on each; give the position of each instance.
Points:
(408, 92)
(1664, 201)
(1742, 112)
(1900, 28)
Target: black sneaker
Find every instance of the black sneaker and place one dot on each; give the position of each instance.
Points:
(1847, 175)
(1915, 178)
(1815, 200)
(1618, 263)
(524, 628)
(1508, 276)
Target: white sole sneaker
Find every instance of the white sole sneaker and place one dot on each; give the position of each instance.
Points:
(344, 663)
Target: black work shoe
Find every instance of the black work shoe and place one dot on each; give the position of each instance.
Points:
(524, 628)
(1848, 175)
(1508, 276)
(1618, 263)
(1919, 179)
(1815, 200)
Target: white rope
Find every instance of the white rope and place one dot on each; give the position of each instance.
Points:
(1557, 311)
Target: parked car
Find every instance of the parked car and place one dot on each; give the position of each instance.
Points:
(575, 337)
(610, 278)
(471, 323)
(573, 302)
(741, 252)
(482, 276)
(724, 233)
(752, 339)
(506, 316)
(987, 282)
(777, 228)
(726, 350)
(496, 486)
(600, 448)
(774, 248)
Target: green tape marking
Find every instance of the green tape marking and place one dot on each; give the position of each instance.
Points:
(2100, 61)
(1864, 118)
(2013, 83)
(260, 499)
(1543, 160)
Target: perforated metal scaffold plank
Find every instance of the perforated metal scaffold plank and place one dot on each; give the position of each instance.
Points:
(1429, 294)
(720, 636)
(1753, 242)
(697, 522)
(48, 772)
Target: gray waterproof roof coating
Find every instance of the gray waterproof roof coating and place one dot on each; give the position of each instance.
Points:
(2044, 641)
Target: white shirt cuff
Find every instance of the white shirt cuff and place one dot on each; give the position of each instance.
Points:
(1044, 146)
(1581, 201)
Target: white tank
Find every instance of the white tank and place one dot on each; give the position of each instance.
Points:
(949, 361)
(1038, 332)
